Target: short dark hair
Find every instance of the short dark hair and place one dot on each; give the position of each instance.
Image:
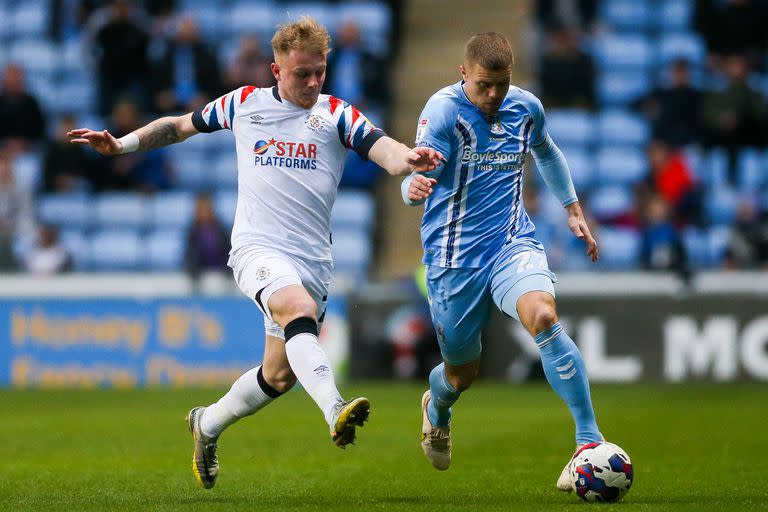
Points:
(490, 50)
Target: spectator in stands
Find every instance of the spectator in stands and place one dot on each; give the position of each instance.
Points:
(576, 13)
(66, 166)
(736, 116)
(736, 26)
(16, 213)
(145, 171)
(567, 73)
(674, 111)
(250, 66)
(671, 179)
(207, 240)
(48, 256)
(748, 245)
(661, 247)
(354, 73)
(120, 49)
(186, 75)
(21, 119)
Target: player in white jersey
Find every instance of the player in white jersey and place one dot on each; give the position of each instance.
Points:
(291, 144)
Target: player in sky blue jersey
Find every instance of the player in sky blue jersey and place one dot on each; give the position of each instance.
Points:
(480, 246)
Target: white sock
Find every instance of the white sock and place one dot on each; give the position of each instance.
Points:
(311, 366)
(245, 397)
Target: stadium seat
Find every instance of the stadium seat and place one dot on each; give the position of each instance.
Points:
(582, 167)
(621, 165)
(626, 15)
(374, 19)
(675, 15)
(121, 210)
(165, 249)
(76, 243)
(172, 210)
(351, 251)
(210, 18)
(116, 249)
(619, 248)
(191, 168)
(246, 17)
(65, 210)
(74, 96)
(720, 205)
(30, 18)
(610, 202)
(36, 56)
(623, 127)
(714, 168)
(28, 171)
(629, 52)
(620, 88)
(225, 205)
(681, 45)
(74, 57)
(696, 246)
(571, 127)
(353, 209)
(718, 238)
(751, 174)
(225, 170)
(325, 14)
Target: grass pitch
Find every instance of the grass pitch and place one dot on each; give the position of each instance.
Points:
(693, 447)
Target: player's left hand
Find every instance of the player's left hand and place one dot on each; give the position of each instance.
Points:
(578, 225)
(423, 159)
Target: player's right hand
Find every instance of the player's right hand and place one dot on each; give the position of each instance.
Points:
(102, 141)
(420, 187)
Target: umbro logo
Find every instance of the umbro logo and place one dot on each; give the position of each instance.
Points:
(256, 119)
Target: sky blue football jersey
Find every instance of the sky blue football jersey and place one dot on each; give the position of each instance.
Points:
(477, 204)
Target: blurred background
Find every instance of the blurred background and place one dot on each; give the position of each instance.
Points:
(114, 270)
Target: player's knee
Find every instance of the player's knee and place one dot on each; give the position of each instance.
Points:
(543, 318)
(461, 381)
(299, 308)
(281, 379)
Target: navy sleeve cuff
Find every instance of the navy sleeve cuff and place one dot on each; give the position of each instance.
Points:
(199, 123)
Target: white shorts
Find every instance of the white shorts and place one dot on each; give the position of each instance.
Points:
(268, 270)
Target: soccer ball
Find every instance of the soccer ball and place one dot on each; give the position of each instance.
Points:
(601, 472)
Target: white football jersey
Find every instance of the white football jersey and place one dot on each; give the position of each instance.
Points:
(289, 164)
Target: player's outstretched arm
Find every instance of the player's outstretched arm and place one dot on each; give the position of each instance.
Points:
(160, 132)
(398, 159)
(416, 188)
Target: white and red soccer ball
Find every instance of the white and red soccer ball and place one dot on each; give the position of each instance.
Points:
(601, 472)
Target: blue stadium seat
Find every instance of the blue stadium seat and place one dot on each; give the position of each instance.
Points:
(225, 170)
(75, 241)
(353, 209)
(682, 45)
(165, 249)
(192, 170)
(172, 209)
(619, 248)
(76, 96)
(696, 245)
(629, 52)
(717, 241)
(65, 210)
(374, 19)
(5, 25)
(751, 173)
(116, 249)
(618, 88)
(626, 15)
(610, 202)
(37, 57)
(621, 165)
(30, 18)
(582, 167)
(121, 210)
(351, 251)
(720, 205)
(28, 170)
(225, 205)
(571, 127)
(675, 15)
(323, 12)
(714, 168)
(623, 127)
(247, 17)
(210, 18)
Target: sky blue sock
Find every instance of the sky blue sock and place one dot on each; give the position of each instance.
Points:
(443, 397)
(567, 375)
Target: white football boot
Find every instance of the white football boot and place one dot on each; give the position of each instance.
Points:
(435, 441)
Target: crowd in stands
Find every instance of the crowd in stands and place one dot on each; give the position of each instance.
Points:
(661, 108)
(118, 64)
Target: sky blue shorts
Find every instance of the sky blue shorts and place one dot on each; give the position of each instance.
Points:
(460, 298)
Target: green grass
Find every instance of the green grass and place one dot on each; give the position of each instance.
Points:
(693, 447)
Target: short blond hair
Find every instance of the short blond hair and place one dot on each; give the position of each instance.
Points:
(490, 50)
(304, 34)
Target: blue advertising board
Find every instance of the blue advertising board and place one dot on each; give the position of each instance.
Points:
(123, 343)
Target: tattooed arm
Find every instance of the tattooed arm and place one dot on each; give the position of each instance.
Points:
(158, 133)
